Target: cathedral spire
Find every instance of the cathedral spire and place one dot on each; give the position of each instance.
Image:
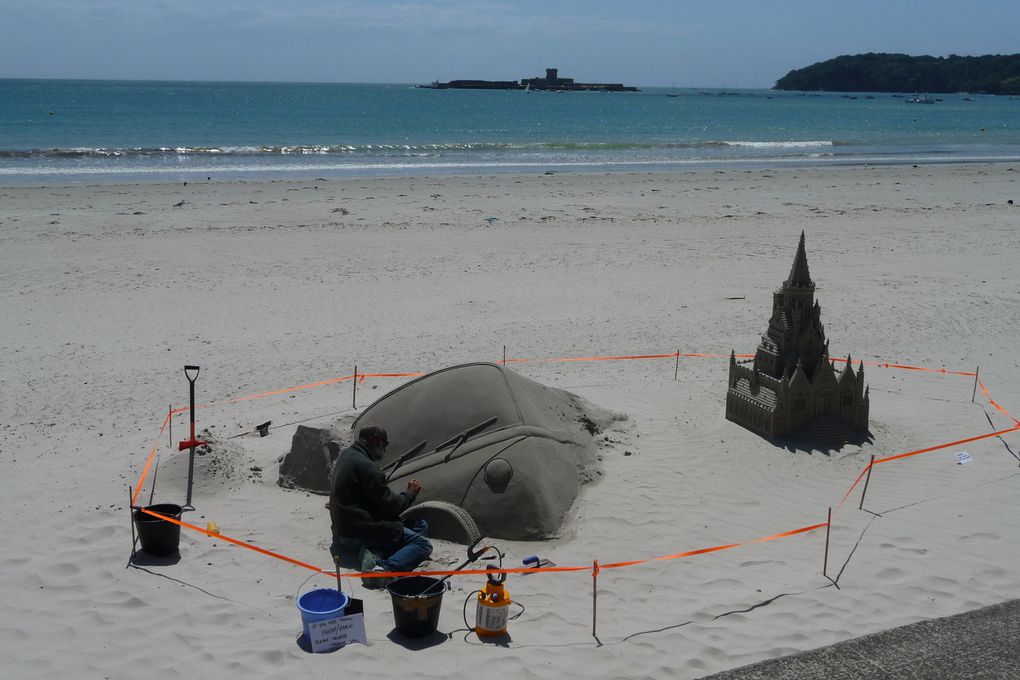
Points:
(800, 277)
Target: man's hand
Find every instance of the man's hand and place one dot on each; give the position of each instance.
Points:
(414, 487)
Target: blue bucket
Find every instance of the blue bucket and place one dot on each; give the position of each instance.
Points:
(321, 605)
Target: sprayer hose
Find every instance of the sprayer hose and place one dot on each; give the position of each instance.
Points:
(464, 609)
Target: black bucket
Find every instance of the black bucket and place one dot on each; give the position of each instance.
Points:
(416, 604)
(157, 536)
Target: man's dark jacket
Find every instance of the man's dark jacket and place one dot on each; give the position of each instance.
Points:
(361, 505)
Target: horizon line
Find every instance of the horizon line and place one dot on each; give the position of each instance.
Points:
(329, 82)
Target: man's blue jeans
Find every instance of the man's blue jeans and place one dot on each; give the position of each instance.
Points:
(414, 548)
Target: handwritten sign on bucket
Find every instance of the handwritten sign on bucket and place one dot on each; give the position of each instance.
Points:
(335, 633)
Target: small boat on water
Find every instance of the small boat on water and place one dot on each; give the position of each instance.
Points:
(920, 99)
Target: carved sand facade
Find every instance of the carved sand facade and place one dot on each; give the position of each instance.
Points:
(791, 380)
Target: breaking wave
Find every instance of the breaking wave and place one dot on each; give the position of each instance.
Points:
(781, 145)
(390, 149)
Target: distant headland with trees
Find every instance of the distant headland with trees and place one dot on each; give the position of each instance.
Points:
(991, 74)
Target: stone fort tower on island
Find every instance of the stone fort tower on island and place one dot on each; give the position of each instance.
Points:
(791, 381)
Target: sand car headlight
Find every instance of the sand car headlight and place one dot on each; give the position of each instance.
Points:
(498, 473)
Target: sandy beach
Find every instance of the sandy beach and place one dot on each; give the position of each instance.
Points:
(109, 290)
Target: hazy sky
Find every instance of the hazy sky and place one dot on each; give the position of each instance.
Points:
(727, 43)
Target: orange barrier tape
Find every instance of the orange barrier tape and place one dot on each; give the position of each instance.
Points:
(527, 570)
(623, 357)
(285, 390)
(372, 574)
(460, 572)
(228, 539)
(792, 532)
(904, 367)
(468, 572)
(148, 462)
(918, 452)
(617, 565)
(297, 388)
(940, 446)
(856, 482)
(995, 403)
(907, 367)
(392, 375)
(611, 565)
(703, 551)
(615, 358)
(628, 357)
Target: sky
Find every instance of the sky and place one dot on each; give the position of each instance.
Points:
(708, 43)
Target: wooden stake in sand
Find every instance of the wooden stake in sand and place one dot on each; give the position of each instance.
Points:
(504, 355)
(354, 398)
(825, 560)
(594, 596)
(131, 514)
(974, 392)
(866, 480)
(170, 424)
(676, 371)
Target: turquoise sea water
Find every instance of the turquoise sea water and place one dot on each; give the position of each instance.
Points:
(113, 130)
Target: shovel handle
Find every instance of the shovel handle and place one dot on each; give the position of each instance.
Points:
(187, 375)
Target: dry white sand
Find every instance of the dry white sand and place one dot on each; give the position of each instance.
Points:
(109, 290)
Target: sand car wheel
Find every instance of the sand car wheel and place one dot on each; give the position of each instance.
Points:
(446, 521)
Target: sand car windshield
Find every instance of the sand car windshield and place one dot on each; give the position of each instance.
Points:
(441, 406)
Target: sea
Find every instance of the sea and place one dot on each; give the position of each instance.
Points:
(111, 131)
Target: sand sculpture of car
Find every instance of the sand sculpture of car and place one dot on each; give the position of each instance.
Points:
(498, 454)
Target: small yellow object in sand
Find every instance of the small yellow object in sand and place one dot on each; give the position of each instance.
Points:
(212, 528)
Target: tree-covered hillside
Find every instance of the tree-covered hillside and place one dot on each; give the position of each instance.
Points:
(994, 74)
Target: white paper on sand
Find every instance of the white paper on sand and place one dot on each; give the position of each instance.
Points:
(336, 633)
(962, 458)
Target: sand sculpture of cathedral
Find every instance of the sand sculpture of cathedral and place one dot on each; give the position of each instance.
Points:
(791, 380)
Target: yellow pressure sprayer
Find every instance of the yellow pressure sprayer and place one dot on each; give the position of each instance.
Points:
(492, 602)
(493, 609)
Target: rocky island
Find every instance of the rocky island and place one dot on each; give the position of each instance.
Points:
(551, 81)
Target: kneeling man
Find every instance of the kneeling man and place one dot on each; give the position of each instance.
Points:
(366, 514)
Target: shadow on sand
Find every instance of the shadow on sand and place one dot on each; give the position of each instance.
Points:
(827, 446)
(418, 643)
(139, 558)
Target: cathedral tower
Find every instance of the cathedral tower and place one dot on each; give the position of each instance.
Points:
(792, 381)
